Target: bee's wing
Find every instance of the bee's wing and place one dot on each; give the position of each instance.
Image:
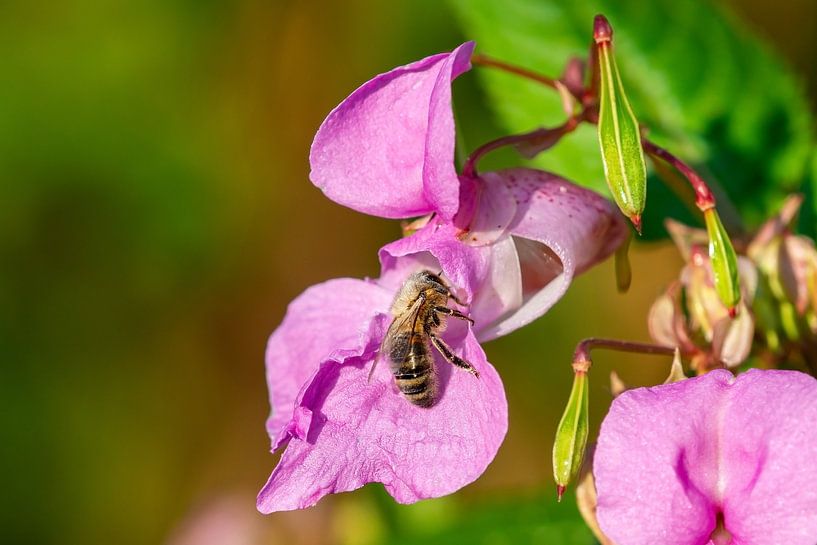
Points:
(408, 318)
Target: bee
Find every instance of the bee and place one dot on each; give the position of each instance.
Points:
(420, 311)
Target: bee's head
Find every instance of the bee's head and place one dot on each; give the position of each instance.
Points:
(434, 281)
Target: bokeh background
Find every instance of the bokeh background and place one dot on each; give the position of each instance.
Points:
(156, 217)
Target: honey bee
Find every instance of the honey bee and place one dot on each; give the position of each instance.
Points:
(420, 311)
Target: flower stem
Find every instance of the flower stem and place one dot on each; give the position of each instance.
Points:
(587, 96)
(484, 60)
(469, 169)
(704, 199)
(581, 356)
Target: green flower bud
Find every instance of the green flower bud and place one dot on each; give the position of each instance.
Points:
(571, 435)
(624, 273)
(724, 261)
(619, 133)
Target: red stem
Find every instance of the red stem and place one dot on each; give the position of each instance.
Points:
(602, 36)
(582, 353)
(484, 60)
(704, 199)
(469, 169)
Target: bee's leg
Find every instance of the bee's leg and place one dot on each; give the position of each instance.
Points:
(448, 354)
(454, 313)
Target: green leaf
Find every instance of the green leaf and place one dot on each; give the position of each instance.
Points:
(709, 91)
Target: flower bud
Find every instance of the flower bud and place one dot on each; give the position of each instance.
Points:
(544, 139)
(798, 272)
(724, 262)
(571, 435)
(573, 76)
(686, 238)
(676, 372)
(691, 316)
(624, 273)
(619, 133)
(617, 386)
(777, 312)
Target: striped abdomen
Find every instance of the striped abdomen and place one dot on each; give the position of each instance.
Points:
(413, 369)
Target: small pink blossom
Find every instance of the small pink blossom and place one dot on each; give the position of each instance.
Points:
(674, 460)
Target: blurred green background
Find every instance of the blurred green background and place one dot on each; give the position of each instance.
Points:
(155, 219)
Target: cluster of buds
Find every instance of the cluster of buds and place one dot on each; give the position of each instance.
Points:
(705, 314)
(776, 320)
(690, 314)
(726, 308)
(786, 301)
(599, 98)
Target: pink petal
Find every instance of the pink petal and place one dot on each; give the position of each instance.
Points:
(732, 339)
(388, 149)
(486, 278)
(662, 321)
(500, 291)
(769, 434)
(435, 247)
(576, 226)
(327, 321)
(559, 230)
(368, 432)
(487, 208)
(671, 458)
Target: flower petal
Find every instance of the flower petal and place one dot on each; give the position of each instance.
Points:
(486, 210)
(368, 432)
(770, 436)
(797, 265)
(686, 237)
(732, 338)
(487, 278)
(577, 226)
(648, 442)
(388, 149)
(662, 321)
(435, 246)
(500, 291)
(671, 458)
(328, 321)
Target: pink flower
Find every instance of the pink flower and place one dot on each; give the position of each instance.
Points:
(507, 243)
(388, 150)
(713, 459)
